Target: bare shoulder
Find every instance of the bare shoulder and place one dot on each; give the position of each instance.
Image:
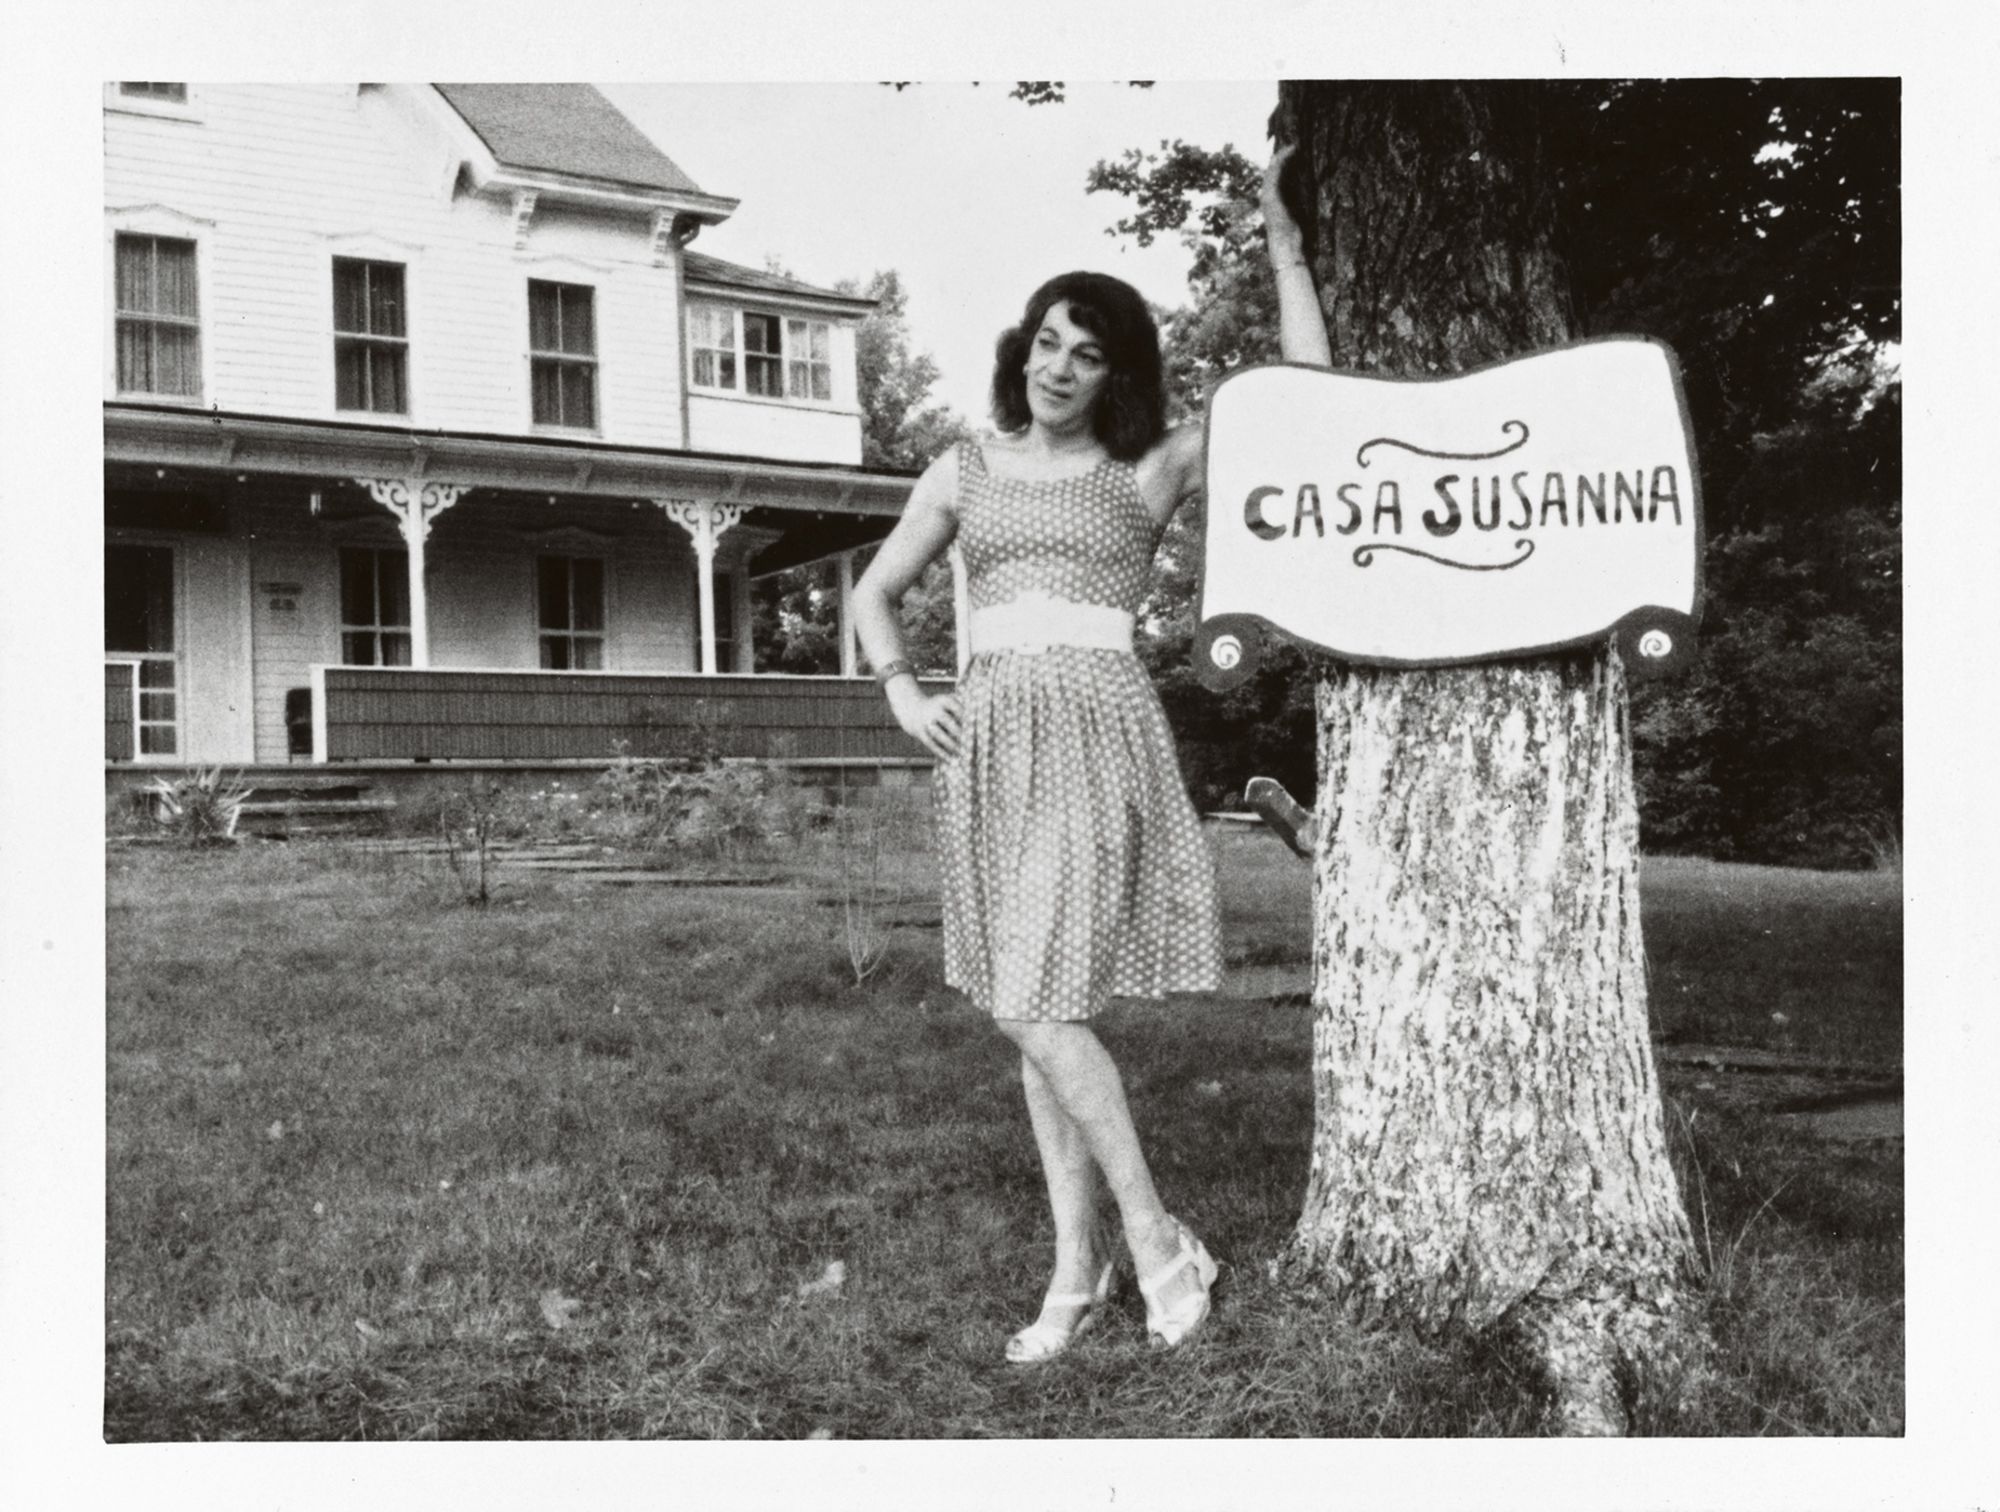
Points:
(936, 487)
(1171, 473)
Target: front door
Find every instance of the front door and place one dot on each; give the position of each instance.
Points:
(139, 627)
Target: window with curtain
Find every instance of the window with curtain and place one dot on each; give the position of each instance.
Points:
(562, 347)
(158, 317)
(712, 340)
(371, 356)
(570, 591)
(374, 606)
(808, 360)
(139, 626)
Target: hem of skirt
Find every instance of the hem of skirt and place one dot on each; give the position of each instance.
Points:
(1155, 993)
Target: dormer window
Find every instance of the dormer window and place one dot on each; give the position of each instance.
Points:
(759, 354)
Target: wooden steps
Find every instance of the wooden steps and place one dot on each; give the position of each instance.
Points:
(312, 804)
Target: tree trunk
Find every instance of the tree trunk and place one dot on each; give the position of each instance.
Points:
(1488, 1145)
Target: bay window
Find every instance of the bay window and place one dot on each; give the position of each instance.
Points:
(760, 355)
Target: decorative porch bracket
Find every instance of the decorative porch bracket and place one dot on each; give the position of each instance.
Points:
(705, 521)
(415, 502)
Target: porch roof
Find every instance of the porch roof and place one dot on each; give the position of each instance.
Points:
(224, 441)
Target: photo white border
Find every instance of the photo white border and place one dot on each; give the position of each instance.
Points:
(51, 888)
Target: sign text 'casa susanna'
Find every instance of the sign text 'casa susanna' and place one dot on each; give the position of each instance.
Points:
(1536, 504)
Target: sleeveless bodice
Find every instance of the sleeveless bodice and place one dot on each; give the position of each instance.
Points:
(1086, 538)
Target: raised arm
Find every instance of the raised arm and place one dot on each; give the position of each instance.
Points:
(920, 538)
(1301, 326)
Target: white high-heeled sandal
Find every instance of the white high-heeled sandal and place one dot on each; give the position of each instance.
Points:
(1042, 1340)
(1170, 1326)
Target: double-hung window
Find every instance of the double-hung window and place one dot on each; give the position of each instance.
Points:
(158, 317)
(371, 347)
(570, 594)
(808, 360)
(712, 340)
(374, 606)
(766, 356)
(763, 356)
(562, 354)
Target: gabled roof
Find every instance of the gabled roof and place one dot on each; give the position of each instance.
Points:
(564, 128)
(703, 269)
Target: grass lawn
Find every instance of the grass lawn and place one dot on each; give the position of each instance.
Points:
(577, 1165)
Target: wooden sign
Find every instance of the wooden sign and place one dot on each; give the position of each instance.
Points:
(1539, 503)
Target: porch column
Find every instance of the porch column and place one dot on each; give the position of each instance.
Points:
(705, 521)
(415, 502)
(848, 656)
(961, 609)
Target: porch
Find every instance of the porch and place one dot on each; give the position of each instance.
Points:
(285, 593)
(433, 714)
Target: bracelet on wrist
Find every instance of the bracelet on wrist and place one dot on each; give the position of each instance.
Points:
(897, 668)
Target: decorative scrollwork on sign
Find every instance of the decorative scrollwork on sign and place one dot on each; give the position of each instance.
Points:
(1364, 556)
(1361, 453)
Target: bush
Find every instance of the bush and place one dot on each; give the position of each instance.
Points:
(702, 805)
(199, 809)
(732, 809)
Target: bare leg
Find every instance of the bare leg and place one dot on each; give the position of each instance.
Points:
(1071, 1174)
(1078, 1072)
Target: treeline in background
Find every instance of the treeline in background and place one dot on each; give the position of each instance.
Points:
(1755, 227)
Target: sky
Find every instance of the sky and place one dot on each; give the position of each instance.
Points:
(974, 197)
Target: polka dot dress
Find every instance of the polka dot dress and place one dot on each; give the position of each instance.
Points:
(1074, 868)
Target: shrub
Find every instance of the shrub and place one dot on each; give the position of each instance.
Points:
(199, 809)
(732, 809)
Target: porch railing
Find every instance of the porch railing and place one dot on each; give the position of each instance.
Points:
(445, 714)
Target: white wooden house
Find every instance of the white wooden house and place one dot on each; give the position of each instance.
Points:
(428, 438)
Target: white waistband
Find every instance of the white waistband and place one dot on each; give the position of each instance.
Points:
(1035, 622)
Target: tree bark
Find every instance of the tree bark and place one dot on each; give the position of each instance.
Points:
(1489, 1148)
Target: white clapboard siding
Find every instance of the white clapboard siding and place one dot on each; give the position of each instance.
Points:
(291, 630)
(760, 428)
(274, 181)
(216, 715)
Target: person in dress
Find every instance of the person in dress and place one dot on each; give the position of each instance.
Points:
(1073, 868)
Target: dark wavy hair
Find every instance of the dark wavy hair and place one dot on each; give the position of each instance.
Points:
(1132, 410)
